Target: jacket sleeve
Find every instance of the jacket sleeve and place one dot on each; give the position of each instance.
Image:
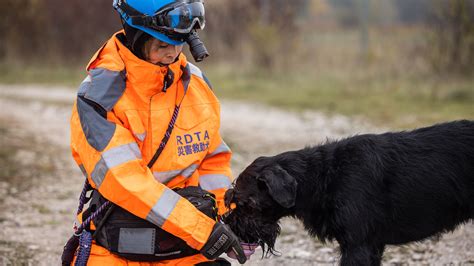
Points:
(110, 158)
(215, 174)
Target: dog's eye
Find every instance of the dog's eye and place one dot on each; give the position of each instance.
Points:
(246, 207)
(261, 185)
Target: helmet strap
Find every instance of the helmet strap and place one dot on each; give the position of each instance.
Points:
(135, 39)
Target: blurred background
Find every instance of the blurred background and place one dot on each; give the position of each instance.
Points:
(394, 61)
(289, 73)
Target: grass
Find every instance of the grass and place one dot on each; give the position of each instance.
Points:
(397, 102)
(18, 73)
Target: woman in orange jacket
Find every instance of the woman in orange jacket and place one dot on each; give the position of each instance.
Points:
(142, 95)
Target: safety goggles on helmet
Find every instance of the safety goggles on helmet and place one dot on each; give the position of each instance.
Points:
(180, 17)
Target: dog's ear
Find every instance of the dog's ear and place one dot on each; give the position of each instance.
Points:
(281, 186)
(229, 194)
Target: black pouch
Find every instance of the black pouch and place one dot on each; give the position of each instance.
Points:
(136, 239)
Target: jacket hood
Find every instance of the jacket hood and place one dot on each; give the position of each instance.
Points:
(146, 77)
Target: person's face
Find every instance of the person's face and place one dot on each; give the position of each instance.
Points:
(158, 52)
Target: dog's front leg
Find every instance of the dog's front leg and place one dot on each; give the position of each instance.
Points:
(369, 255)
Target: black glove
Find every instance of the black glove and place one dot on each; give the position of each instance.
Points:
(221, 240)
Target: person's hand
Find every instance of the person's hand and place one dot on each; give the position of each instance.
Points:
(249, 249)
(221, 240)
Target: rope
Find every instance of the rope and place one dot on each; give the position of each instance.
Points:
(81, 227)
(85, 242)
(83, 199)
(165, 137)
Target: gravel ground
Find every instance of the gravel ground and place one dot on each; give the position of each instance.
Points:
(40, 184)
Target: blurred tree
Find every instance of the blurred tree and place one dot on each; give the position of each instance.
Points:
(227, 24)
(451, 41)
(79, 28)
(265, 30)
(384, 12)
(3, 29)
(413, 11)
(21, 28)
(54, 30)
(345, 12)
(317, 7)
(363, 21)
(276, 33)
(357, 13)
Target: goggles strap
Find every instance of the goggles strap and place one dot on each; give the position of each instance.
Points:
(131, 12)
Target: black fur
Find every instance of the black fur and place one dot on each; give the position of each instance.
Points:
(365, 191)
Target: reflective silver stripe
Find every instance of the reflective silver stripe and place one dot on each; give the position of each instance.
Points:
(83, 170)
(121, 154)
(106, 87)
(113, 157)
(189, 70)
(223, 148)
(84, 85)
(87, 79)
(97, 129)
(190, 170)
(137, 240)
(195, 70)
(141, 136)
(215, 181)
(165, 177)
(162, 209)
(98, 174)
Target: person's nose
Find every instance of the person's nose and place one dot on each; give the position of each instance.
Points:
(173, 50)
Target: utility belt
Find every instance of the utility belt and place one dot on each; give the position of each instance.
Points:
(136, 239)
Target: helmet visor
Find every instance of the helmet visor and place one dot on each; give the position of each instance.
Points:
(183, 18)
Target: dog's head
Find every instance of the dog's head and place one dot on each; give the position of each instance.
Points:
(263, 193)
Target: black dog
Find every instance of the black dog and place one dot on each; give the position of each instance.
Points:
(365, 191)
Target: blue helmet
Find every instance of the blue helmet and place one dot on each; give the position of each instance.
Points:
(170, 21)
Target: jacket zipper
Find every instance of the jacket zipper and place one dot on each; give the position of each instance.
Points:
(150, 128)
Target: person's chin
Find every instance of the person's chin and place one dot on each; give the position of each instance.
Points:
(167, 61)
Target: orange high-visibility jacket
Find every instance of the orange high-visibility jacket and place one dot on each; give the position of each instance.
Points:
(118, 121)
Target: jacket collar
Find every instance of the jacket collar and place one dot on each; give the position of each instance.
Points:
(147, 78)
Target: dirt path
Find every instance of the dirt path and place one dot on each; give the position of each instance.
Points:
(39, 184)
